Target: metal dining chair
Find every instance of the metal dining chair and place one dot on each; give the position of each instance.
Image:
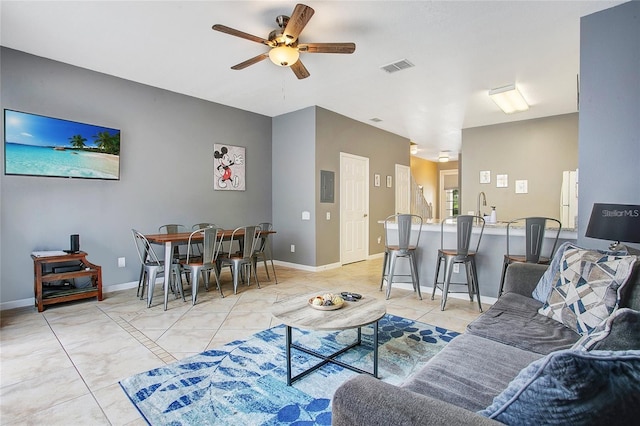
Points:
(241, 262)
(203, 225)
(203, 263)
(152, 268)
(174, 228)
(462, 254)
(401, 242)
(263, 252)
(535, 230)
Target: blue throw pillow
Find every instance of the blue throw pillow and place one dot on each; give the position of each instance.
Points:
(619, 332)
(570, 387)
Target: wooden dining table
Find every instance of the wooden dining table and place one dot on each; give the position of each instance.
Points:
(169, 241)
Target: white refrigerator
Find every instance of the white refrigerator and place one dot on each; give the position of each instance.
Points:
(569, 199)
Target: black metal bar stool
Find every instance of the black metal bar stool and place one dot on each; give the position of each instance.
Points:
(460, 255)
(534, 230)
(401, 241)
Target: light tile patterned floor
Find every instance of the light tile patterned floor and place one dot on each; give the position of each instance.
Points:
(62, 366)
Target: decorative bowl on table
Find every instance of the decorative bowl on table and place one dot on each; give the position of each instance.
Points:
(326, 302)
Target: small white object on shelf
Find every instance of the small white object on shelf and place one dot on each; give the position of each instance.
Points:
(48, 253)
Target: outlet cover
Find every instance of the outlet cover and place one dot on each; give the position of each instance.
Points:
(121, 262)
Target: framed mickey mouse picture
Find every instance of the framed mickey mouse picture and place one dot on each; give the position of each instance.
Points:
(228, 168)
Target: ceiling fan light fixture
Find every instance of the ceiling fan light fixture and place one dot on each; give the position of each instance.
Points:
(284, 56)
(509, 99)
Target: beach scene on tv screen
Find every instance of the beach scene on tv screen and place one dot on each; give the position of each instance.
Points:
(44, 146)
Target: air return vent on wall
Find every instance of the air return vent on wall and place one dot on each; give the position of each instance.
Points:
(397, 66)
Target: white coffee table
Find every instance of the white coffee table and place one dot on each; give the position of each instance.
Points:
(295, 312)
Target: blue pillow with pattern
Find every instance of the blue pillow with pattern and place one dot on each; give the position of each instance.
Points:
(552, 274)
(569, 387)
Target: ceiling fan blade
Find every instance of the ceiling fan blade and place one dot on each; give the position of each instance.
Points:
(327, 47)
(254, 60)
(299, 70)
(241, 34)
(297, 21)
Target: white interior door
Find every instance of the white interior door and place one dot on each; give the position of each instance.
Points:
(403, 189)
(354, 208)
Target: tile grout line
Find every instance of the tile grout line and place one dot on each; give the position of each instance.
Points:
(75, 367)
(143, 339)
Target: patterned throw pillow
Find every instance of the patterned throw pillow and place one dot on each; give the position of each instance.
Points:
(551, 275)
(572, 388)
(588, 288)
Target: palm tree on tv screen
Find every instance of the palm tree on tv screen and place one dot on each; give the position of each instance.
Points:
(108, 143)
(77, 141)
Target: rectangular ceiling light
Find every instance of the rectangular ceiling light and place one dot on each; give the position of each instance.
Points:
(509, 99)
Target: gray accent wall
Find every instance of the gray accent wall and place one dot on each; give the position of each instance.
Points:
(166, 169)
(294, 138)
(609, 112)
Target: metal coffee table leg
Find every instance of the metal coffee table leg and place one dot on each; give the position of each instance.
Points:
(330, 358)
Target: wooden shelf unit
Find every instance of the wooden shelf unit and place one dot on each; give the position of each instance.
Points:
(52, 296)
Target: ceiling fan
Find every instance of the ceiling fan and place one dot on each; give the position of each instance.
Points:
(285, 49)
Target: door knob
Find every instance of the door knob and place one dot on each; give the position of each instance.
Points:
(365, 215)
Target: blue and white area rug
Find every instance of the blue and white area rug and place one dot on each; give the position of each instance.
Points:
(244, 382)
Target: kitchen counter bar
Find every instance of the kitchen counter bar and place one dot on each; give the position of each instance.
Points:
(489, 258)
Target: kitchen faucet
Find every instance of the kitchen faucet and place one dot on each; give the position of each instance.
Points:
(484, 201)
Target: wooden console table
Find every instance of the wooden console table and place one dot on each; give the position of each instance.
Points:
(59, 294)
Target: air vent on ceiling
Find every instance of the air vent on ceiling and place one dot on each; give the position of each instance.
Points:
(375, 119)
(397, 66)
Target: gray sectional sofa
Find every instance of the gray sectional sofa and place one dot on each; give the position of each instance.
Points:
(511, 354)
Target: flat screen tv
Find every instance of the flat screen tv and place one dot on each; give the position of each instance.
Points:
(35, 145)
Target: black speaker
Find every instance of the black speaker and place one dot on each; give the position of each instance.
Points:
(75, 243)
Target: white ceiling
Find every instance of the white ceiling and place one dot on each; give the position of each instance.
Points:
(460, 50)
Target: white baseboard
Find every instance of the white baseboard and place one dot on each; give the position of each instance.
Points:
(426, 292)
(307, 267)
(124, 286)
(133, 284)
(376, 256)
(31, 301)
